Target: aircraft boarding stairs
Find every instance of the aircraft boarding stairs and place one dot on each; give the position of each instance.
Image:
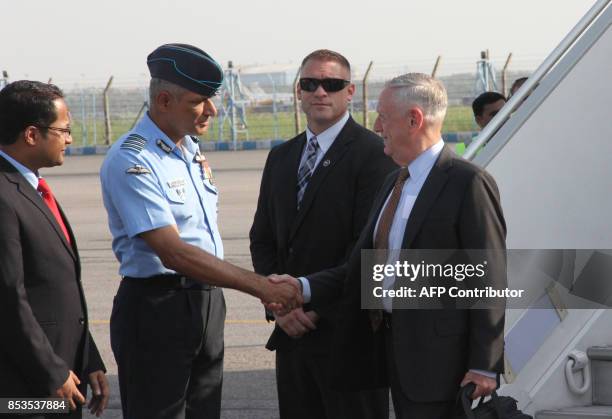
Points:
(600, 382)
(549, 150)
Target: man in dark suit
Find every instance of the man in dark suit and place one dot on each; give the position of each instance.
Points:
(316, 192)
(46, 349)
(435, 201)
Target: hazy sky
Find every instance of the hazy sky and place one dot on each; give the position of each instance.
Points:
(82, 40)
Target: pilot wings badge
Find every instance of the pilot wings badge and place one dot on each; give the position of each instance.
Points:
(138, 170)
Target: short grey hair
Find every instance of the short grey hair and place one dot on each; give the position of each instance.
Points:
(423, 91)
(157, 85)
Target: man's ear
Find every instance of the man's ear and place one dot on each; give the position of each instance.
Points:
(351, 91)
(162, 100)
(30, 135)
(416, 118)
(298, 89)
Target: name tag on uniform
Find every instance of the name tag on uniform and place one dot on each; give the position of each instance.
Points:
(178, 187)
(176, 183)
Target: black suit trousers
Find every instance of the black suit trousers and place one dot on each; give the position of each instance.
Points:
(305, 390)
(168, 343)
(404, 407)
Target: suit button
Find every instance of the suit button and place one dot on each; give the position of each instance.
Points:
(291, 250)
(81, 321)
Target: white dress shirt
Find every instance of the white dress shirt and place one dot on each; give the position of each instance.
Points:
(325, 140)
(419, 170)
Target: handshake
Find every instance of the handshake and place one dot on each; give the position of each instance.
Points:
(281, 294)
(285, 300)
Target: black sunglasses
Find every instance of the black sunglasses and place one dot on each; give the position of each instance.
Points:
(329, 85)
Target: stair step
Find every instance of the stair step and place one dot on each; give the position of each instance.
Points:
(601, 372)
(583, 412)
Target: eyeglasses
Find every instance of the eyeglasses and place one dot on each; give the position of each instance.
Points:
(329, 85)
(62, 130)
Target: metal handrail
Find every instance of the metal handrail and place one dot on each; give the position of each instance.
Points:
(496, 123)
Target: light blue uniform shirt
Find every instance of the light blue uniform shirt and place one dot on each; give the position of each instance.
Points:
(148, 182)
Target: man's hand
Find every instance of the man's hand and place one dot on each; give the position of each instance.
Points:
(484, 385)
(297, 323)
(282, 294)
(100, 392)
(70, 391)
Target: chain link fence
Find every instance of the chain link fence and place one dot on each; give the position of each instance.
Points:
(264, 103)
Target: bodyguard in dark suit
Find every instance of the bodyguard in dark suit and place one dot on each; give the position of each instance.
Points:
(435, 201)
(45, 345)
(316, 192)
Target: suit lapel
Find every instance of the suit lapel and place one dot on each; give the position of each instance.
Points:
(31, 195)
(286, 183)
(73, 247)
(434, 183)
(329, 160)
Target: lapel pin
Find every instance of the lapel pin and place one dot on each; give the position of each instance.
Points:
(326, 163)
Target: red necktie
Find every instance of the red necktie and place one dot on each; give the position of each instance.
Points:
(47, 195)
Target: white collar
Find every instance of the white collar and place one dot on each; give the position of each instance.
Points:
(425, 161)
(327, 137)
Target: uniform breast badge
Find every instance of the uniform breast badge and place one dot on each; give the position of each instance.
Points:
(206, 170)
(178, 186)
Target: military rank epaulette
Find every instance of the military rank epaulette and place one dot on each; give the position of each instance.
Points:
(163, 146)
(134, 142)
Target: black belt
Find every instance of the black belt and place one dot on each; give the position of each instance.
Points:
(170, 281)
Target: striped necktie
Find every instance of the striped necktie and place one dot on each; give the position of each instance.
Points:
(307, 167)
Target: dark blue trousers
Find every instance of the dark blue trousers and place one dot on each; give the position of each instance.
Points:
(168, 344)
